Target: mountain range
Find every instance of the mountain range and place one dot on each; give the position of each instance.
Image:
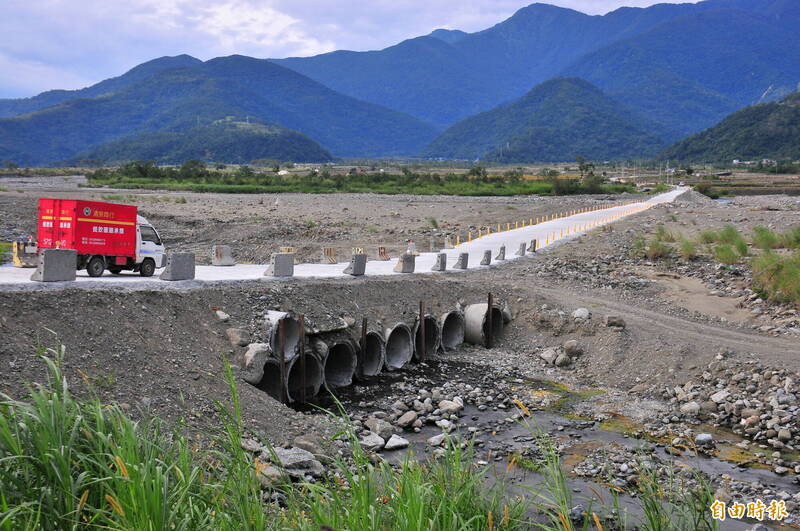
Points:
(668, 71)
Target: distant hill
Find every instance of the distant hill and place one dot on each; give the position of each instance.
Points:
(176, 99)
(769, 130)
(226, 141)
(686, 65)
(13, 107)
(556, 121)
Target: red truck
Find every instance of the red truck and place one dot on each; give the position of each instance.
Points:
(105, 235)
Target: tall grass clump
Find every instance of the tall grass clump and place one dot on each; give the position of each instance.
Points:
(708, 237)
(724, 254)
(741, 248)
(729, 235)
(663, 235)
(688, 250)
(778, 276)
(791, 238)
(657, 250)
(763, 238)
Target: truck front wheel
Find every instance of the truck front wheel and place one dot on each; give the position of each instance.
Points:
(147, 268)
(96, 266)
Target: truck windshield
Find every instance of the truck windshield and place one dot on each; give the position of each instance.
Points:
(149, 235)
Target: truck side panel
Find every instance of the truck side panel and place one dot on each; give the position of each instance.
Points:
(89, 227)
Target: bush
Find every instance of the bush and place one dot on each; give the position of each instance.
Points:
(763, 238)
(663, 235)
(688, 250)
(741, 247)
(724, 254)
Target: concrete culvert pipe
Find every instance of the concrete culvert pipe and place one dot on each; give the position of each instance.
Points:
(476, 318)
(291, 331)
(453, 329)
(433, 337)
(271, 381)
(340, 365)
(374, 354)
(399, 347)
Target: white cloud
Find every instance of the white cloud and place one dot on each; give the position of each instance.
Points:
(71, 43)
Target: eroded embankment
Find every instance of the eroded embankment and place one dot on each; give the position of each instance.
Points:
(163, 351)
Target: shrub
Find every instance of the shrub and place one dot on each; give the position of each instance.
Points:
(724, 254)
(688, 250)
(663, 235)
(763, 238)
(741, 247)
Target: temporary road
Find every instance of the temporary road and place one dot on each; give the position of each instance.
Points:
(546, 233)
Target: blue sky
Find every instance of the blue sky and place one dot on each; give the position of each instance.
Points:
(47, 44)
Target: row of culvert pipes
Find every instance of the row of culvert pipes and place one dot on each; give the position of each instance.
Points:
(294, 368)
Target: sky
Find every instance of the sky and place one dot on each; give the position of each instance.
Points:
(68, 44)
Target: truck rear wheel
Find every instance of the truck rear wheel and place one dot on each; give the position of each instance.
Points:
(147, 268)
(96, 266)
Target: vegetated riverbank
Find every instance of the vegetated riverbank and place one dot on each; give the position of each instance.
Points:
(195, 177)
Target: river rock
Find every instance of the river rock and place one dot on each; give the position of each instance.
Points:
(581, 314)
(572, 348)
(563, 360)
(549, 355)
(690, 408)
(239, 337)
(615, 321)
(437, 440)
(704, 439)
(450, 407)
(395, 442)
(372, 442)
(407, 419)
(381, 427)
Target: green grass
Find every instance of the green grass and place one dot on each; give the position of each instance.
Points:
(3, 188)
(741, 248)
(778, 276)
(708, 236)
(763, 238)
(657, 250)
(68, 464)
(433, 222)
(724, 254)
(663, 235)
(687, 249)
(729, 235)
(791, 238)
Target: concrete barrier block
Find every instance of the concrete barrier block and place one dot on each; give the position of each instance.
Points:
(501, 255)
(521, 250)
(532, 248)
(281, 265)
(222, 255)
(462, 262)
(180, 266)
(441, 262)
(405, 263)
(487, 258)
(56, 265)
(358, 265)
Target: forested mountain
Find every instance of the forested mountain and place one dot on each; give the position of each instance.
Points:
(12, 107)
(228, 141)
(558, 120)
(179, 98)
(687, 65)
(769, 130)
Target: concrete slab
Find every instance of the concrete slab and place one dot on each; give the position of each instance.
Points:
(358, 265)
(56, 265)
(405, 264)
(282, 265)
(180, 266)
(462, 262)
(222, 255)
(441, 262)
